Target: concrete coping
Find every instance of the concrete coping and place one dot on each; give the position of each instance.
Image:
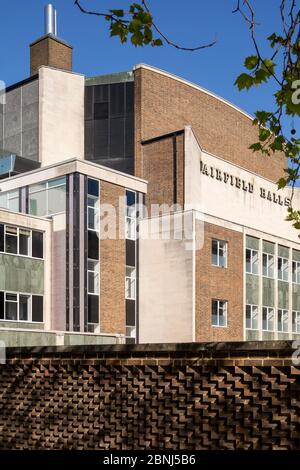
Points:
(220, 349)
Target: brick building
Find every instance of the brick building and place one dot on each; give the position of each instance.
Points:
(214, 259)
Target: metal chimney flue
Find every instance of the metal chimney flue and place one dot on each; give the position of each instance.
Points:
(50, 20)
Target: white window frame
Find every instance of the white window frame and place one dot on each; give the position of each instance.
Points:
(94, 272)
(268, 256)
(251, 261)
(29, 255)
(223, 308)
(10, 196)
(268, 311)
(296, 280)
(46, 190)
(130, 279)
(252, 308)
(281, 271)
(222, 245)
(283, 313)
(296, 314)
(22, 294)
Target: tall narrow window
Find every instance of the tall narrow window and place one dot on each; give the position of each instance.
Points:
(283, 269)
(11, 306)
(219, 313)
(296, 272)
(268, 265)
(268, 318)
(93, 276)
(130, 281)
(251, 261)
(219, 253)
(130, 220)
(296, 322)
(24, 307)
(283, 320)
(24, 242)
(37, 244)
(252, 317)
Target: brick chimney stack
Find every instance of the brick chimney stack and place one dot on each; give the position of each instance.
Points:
(50, 50)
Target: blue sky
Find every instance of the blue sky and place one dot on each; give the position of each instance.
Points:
(189, 22)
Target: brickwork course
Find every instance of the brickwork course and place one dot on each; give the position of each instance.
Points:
(184, 396)
(52, 52)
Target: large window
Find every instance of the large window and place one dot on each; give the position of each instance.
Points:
(130, 283)
(21, 307)
(21, 241)
(48, 198)
(296, 322)
(252, 317)
(268, 318)
(219, 313)
(296, 272)
(252, 260)
(268, 265)
(283, 321)
(219, 253)
(10, 200)
(283, 269)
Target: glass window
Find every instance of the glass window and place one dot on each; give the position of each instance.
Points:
(296, 272)
(48, 198)
(10, 200)
(2, 237)
(93, 309)
(37, 244)
(93, 245)
(283, 269)
(219, 312)
(283, 320)
(268, 265)
(93, 213)
(37, 308)
(252, 261)
(268, 319)
(296, 322)
(93, 187)
(130, 281)
(24, 307)
(11, 239)
(1, 305)
(38, 203)
(252, 317)
(11, 307)
(56, 200)
(219, 253)
(130, 228)
(93, 277)
(24, 242)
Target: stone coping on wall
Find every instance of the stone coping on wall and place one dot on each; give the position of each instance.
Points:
(264, 349)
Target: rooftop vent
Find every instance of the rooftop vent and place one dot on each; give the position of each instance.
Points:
(50, 20)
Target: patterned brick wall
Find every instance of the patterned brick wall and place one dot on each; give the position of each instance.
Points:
(188, 396)
(51, 52)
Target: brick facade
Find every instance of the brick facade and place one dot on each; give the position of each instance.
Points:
(52, 52)
(181, 397)
(164, 104)
(219, 283)
(112, 266)
(163, 168)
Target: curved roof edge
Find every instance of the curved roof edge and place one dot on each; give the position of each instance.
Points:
(193, 85)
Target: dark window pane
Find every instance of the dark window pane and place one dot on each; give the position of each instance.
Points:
(37, 308)
(23, 307)
(100, 110)
(93, 309)
(24, 243)
(37, 245)
(88, 107)
(129, 97)
(1, 305)
(100, 93)
(1, 237)
(11, 244)
(117, 100)
(93, 245)
(130, 253)
(100, 138)
(117, 137)
(130, 312)
(130, 198)
(11, 307)
(93, 187)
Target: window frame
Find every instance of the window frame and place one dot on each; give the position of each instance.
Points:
(252, 306)
(130, 278)
(46, 189)
(18, 229)
(297, 274)
(268, 256)
(219, 301)
(251, 262)
(274, 318)
(283, 259)
(282, 311)
(219, 243)
(21, 294)
(93, 272)
(296, 314)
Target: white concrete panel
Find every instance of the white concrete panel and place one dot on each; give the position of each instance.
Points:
(229, 192)
(61, 115)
